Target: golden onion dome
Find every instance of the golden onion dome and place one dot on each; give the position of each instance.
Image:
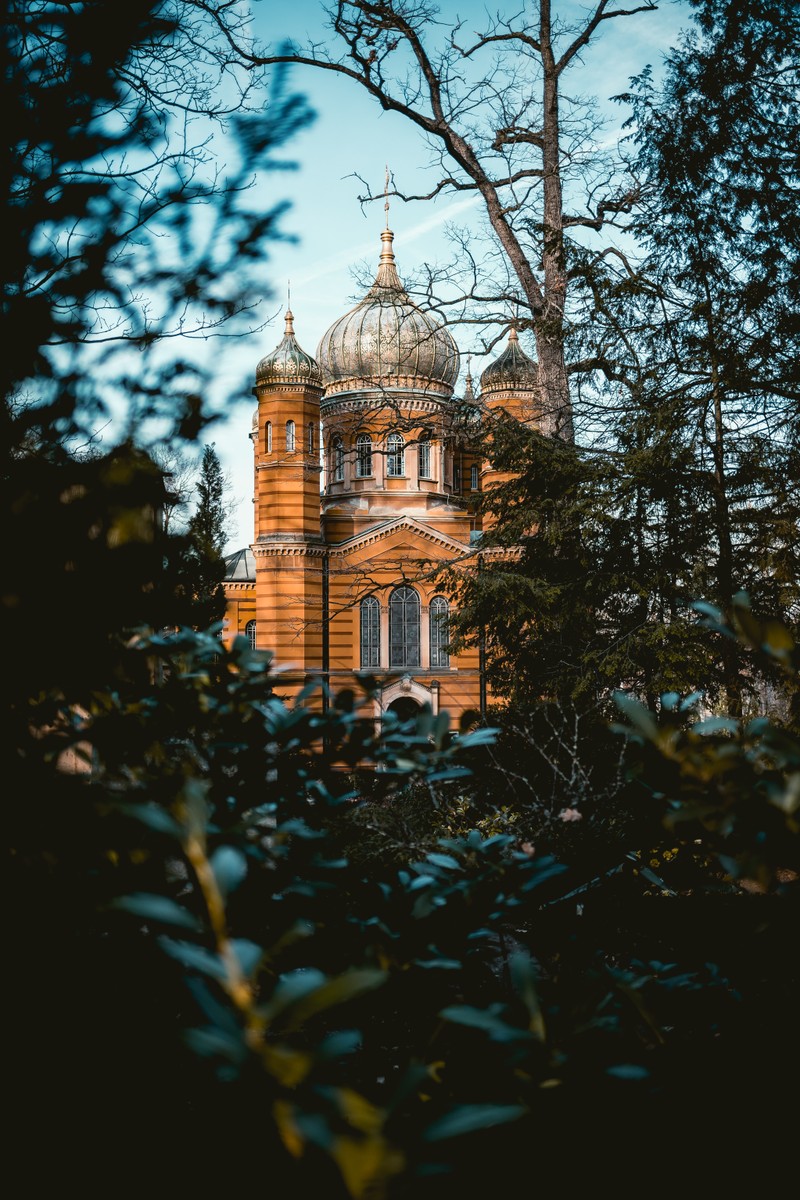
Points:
(386, 341)
(513, 371)
(288, 362)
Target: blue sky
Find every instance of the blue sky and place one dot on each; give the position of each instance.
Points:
(352, 136)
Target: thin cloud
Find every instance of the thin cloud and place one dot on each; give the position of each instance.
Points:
(345, 258)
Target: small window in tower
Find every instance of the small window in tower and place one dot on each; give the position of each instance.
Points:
(456, 478)
(395, 456)
(269, 437)
(370, 632)
(473, 478)
(290, 443)
(424, 454)
(404, 628)
(310, 437)
(337, 467)
(440, 632)
(363, 455)
(250, 633)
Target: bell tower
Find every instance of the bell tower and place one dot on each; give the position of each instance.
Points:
(509, 386)
(288, 548)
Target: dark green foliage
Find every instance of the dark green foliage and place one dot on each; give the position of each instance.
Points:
(200, 561)
(691, 487)
(589, 575)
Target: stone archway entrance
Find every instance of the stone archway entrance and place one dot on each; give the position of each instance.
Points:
(405, 697)
(404, 707)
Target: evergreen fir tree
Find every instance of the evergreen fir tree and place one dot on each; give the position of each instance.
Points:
(202, 566)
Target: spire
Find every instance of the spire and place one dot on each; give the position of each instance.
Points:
(386, 196)
(469, 391)
(289, 329)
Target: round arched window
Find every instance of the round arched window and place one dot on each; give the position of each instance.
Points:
(439, 613)
(395, 455)
(404, 628)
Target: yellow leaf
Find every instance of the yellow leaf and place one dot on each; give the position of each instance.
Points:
(290, 1136)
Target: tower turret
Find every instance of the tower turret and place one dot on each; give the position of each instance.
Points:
(288, 547)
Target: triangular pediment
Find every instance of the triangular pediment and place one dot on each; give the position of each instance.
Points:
(403, 533)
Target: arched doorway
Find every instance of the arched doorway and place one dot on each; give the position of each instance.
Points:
(405, 708)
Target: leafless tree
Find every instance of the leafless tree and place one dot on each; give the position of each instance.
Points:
(491, 106)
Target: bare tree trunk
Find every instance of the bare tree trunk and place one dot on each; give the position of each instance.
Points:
(549, 321)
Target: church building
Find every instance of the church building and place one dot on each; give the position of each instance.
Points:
(367, 476)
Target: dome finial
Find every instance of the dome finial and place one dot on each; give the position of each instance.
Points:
(289, 314)
(386, 196)
(469, 391)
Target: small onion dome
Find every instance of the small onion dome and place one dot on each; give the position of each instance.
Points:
(513, 371)
(254, 422)
(288, 363)
(387, 341)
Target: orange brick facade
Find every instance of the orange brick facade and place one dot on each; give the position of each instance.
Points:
(364, 489)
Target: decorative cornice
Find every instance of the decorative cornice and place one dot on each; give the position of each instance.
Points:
(282, 545)
(288, 385)
(383, 400)
(389, 384)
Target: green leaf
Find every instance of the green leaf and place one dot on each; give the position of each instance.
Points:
(444, 860)
(153, 816)
(640, 718)
(249, 955)
(196, 957)
(330, 993)
(229, 867)
(628, 1071)
(470, 1118)
(157, 908)
(716, 725)
(485, 1019)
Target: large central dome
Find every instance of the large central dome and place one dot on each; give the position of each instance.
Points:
(386, 341)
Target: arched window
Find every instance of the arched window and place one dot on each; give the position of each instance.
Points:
(250, 633)
(473, 478)
(363, 455)
(310, 437)
(337, 466)
(370, 632)
(424, 456)
(456, 477)
(440, 632)
(395, 456)
(404, 628)
(269, 437)
(290, 436)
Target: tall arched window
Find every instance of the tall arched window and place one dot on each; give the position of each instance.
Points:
(404, 628)
(269, 437)
(363, 455)
(424, 456)
(337, 453)
(310, 437)
(250, 633)
(395, 456)
(440, 632)
(370, 632)
(290, 443)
